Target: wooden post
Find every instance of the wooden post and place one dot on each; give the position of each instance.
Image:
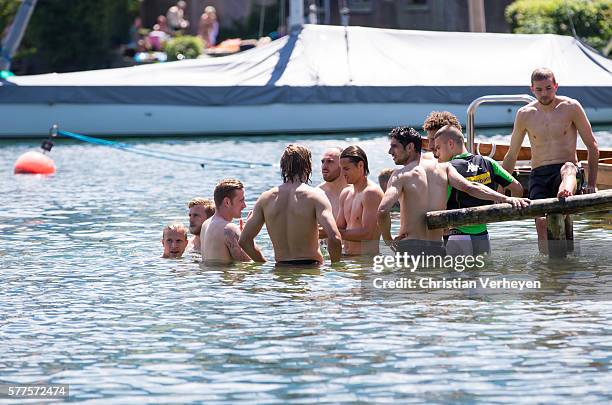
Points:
(557, 245)
(569, 233)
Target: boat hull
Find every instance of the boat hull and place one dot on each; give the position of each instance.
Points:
(34, 120)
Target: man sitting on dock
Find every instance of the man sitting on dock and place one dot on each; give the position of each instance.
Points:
(422, 185)
(450, 147)
(200, 209)
(291, 213)
(219, 236)
(433, 123)
(334, 182)
(358, 205)
(174, 241)
(552, 123)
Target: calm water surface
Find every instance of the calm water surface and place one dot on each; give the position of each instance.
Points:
(87, 301)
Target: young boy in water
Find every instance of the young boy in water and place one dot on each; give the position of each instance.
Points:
(174, 241)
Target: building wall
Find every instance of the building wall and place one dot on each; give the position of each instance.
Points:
(436, 15)
(227, 10)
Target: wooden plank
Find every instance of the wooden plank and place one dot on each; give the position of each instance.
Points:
(599, 201)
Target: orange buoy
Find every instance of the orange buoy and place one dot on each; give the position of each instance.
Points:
(34, 163)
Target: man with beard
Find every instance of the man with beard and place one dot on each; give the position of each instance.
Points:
(291, 213)
(334, 182)
(552, 123)
(358, 205)
(200, 209)
(219, 235)
(422, 185)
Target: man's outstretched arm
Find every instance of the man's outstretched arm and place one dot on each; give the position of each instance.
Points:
(481, 191)
(250, 231)
(392, 195)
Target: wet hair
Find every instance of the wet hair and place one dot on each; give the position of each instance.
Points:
(437, 119)
(176, 227)
(406, 135)
(542, 74)
(209, 205)
(296, 164)
(226, 188)
(356, 155)
(450, 132)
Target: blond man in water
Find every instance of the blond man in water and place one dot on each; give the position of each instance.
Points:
(174, 241)
(219, 236)
(200, 209)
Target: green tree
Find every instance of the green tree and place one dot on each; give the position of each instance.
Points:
(72, 35)
(591, 19)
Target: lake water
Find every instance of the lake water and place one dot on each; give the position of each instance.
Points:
(87, 301)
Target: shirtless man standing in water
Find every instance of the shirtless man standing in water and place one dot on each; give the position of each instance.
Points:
(334, 182)
(552, 124)
(422, 186)
(291, 213)
(359, 202)
(219, 236)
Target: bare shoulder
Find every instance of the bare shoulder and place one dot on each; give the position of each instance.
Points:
(568, 101)
(373, 189)
(266, 195)
(323, 186)
(231, 230)
(527, 109)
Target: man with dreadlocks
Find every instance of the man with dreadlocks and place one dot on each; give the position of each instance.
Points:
(292, 212)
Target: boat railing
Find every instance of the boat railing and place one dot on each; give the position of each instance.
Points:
(471, 111)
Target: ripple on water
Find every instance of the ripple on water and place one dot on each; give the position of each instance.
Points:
(87, 301)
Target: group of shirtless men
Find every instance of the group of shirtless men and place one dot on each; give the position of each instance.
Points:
(352, 212)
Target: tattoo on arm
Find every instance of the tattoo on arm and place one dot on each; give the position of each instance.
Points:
(231, 241)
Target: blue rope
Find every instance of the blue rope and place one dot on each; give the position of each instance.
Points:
(170, 156)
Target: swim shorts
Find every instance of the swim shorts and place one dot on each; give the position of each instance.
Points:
(298, 262)
(544, 181)
(464, 244)
(416, 247)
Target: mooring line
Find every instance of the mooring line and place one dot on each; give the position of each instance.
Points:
(170, 156)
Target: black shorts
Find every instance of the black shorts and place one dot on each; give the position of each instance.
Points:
(415, 247)
(544, 181)
(298, 262)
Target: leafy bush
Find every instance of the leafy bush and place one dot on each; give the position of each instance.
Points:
(592, 18)
(184, 47)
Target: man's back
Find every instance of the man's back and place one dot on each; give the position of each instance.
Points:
(213, 240)
(424, 187)
(290, 217)
(552, 134)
